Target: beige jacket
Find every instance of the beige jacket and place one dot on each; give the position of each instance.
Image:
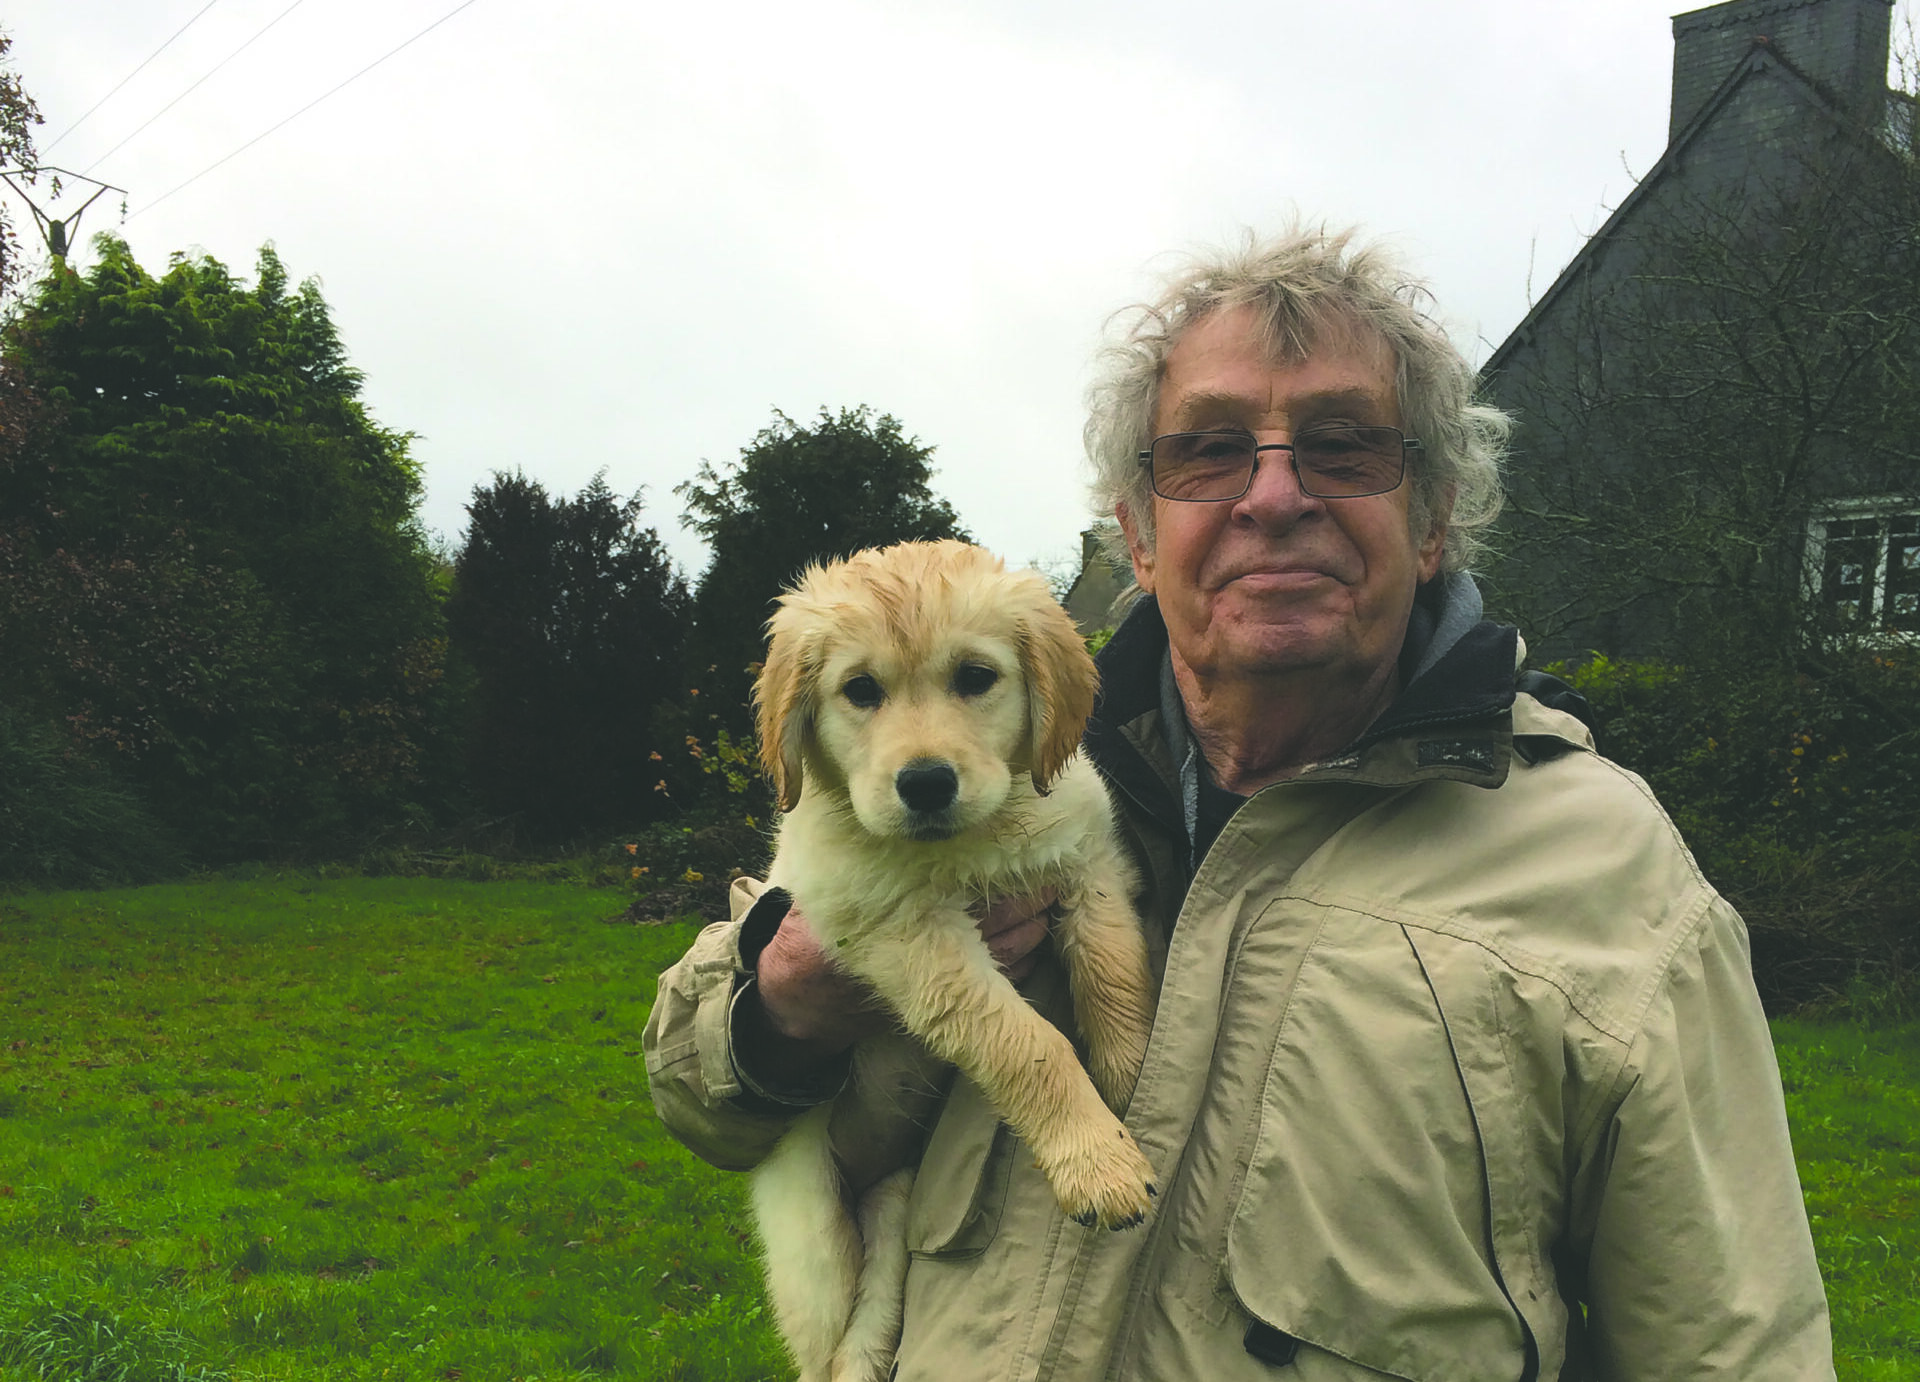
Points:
(1458, 1073)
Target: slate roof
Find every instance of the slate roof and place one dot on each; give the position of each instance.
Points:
(1761, 58)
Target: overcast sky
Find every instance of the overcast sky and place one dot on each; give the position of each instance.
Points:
(584, 236)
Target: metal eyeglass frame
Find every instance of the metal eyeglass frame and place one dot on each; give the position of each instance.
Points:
(1407, 444)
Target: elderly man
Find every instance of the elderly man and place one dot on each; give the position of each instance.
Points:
(1458, 1070)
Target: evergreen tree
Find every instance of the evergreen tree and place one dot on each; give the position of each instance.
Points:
(798, 495)
(570, 617)
(209, 557)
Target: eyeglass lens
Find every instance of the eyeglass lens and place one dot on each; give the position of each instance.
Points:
(1332, 462)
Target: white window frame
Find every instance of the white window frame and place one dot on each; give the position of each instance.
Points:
(1881, 510)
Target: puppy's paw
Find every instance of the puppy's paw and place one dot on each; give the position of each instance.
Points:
(1106, 1181)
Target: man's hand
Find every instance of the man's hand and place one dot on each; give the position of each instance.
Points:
(1015, 928)
(822, 1010)
(809, 999)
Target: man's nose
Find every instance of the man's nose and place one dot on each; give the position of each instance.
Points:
(1274, 492)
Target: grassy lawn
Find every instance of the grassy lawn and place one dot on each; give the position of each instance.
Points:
(351, 1129)
(399, 1129)
(1853, 1097)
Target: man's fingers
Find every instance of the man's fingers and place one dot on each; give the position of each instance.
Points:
(1014, 928)
(1009, 913)
(809, 997)
(1010, 947)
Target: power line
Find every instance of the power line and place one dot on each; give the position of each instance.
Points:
(130, 76)
(196, 86)
(303, 109)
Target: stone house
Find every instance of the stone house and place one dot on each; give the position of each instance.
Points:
(1717, 398)
(1094, 598)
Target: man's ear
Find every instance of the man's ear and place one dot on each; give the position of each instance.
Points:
(1433, 547)
(1137, 547)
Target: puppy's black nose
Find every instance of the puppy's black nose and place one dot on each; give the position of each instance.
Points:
(927, 785)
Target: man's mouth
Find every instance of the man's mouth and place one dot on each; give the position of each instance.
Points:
(1280, 578)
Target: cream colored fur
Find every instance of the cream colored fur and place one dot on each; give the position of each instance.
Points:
(911, 657)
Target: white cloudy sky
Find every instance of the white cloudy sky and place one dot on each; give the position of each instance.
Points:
(586, 235)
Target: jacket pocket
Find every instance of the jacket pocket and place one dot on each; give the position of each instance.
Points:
(960, 1192)
(960, 1189)
(1513, 1071)
(1360, 1227)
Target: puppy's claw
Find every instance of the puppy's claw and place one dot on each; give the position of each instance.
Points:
(1109, 1184)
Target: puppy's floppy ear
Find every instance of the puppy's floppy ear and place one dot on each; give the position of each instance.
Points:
(783, 699)
(1061, 682)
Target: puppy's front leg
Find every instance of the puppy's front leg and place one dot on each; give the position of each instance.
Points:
(941, 979)
(1105, 952)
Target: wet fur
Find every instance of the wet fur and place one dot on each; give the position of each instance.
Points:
(888, 891)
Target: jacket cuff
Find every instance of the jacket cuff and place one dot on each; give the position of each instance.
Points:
(750, 1036)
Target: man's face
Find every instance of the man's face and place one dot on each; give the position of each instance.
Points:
(1277, 581)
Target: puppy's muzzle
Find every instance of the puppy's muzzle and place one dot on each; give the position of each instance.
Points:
(927, 787)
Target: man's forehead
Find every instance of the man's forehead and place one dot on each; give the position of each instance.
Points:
(1228, 361)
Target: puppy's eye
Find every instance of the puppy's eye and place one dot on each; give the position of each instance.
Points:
(863, 691)
(974, 678)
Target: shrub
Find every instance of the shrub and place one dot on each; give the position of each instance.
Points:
(65, 821)
(567, 617)
(1798, 789)
(684, 867)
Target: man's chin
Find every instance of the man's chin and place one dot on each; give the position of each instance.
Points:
(1282, 627)
(1270, 651)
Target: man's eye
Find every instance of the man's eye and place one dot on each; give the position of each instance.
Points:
(863, 691)
(974, 679)
(1339, 440)
(1222, 449)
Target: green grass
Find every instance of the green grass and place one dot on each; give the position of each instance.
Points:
(1853, 1097)
(351, 1129)
(399, 1128)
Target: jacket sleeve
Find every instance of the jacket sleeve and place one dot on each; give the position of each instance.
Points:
(1701, 1262)
(692, 1069)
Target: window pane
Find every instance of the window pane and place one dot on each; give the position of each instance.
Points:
(1852, 556)
(1902, 605)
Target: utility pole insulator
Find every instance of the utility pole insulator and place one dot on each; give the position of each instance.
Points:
(59, 234)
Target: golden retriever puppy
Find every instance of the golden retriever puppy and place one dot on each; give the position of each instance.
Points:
(920, 715)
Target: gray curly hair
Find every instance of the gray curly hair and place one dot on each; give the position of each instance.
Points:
(1310, 288)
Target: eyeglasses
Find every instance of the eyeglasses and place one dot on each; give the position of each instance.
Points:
(1330, 462)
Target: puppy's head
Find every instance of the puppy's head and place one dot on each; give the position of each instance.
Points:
(918, 682)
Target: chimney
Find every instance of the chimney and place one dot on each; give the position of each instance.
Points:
(1841, 44)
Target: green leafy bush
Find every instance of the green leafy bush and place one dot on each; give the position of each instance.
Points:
(684, 867)
(210, 559)
(1798, 789)
(65, 821)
